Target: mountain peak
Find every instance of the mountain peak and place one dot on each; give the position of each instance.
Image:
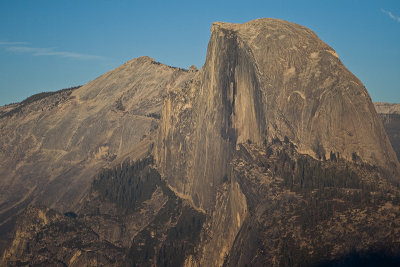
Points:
(271, 153)
(263, 80)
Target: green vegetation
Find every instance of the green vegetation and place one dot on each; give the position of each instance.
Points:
(174, 232)
(306, 174)
(119, 105)
(37, 97)
(154, 115)
(290, 254)
(225, 179)
(312, 211)
(42, 95)
(321, 182)
(286, 140)
(276, 140)
(171, 237)
(172, 67)
(181, 239)
(71, 214)
(269, 152)
(129, 184)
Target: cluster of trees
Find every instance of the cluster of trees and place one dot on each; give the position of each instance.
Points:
(174, 232)
(181, 239)
(172, 67)
(305, 174)
(119, 105)
(42, 95)
(291, 254)
(154, 115)
(128, 184)
(37, 97)
(171, 237)
(320, 182)
(333, 190)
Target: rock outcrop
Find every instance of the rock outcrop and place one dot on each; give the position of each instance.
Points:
(129, 218)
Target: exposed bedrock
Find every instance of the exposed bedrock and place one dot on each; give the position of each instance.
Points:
(264, 79)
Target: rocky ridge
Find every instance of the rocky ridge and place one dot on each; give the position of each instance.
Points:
(52, 146)
(387, 108)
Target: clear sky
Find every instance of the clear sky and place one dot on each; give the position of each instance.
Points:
(54, 44)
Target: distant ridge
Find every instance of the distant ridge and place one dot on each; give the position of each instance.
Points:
(387, 108)
(390, 115)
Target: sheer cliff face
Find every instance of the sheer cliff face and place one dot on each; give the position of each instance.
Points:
(264, 79)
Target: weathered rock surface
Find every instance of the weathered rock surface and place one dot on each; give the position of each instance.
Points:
(51, 147)
(264, 79)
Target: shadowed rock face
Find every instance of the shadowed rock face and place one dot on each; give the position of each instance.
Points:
(50, 149)
(264, 79)
(145, 226)
(390, 115)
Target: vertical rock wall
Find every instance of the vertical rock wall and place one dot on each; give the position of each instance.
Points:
(202, 123)
(264, 79)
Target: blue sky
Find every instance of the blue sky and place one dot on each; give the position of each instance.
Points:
(50, 45)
